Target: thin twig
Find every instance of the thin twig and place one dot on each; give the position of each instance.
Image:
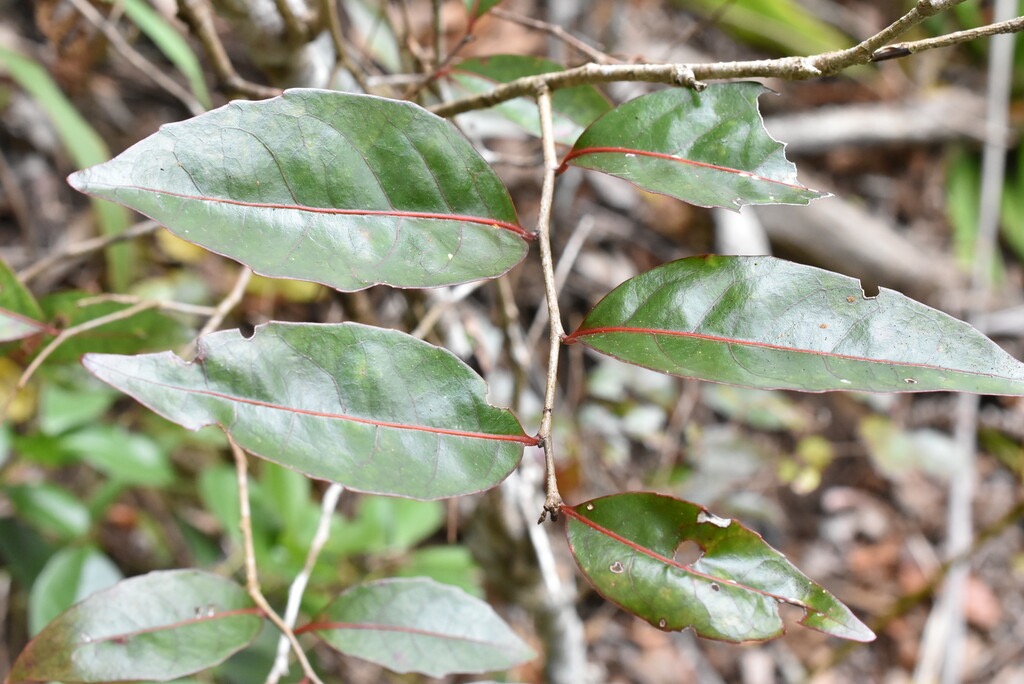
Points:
(296, 29)
(435, 312)
(163, 304)
(693, 75)
(552, 500)
(328, 504)
(135, 58)
(67, 334)
(252, 578)
(197, 14)
(85, 247)
(945, 635)
(911, 47)
(558, 32)
(343, 59)
(220, 312)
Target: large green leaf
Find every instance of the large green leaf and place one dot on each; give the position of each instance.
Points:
(626, 545)
(768, 323)
(419, 625)
(158, 626)
(707, 148)
(375, 410)
(341, 189)
(573, 109)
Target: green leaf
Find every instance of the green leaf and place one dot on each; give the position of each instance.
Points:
(171, 43)
(478, 8)
(69, 576)
(145, 330)
(573, 109)
(768, 323)
(131, 459)
(419, 625)
(158, 626)
(51, 509)
(626, 546)
(340, 189)
(375, 410)
(708, 148)
(83, 144)
(782, 25)
(20, 315)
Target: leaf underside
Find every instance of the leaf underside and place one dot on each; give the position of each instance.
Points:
(341, 189)
(767, 323)
(625, 545)
(419, 625)
(373, 409)
(158, 627)
(708, 148)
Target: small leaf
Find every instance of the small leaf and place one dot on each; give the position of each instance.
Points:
(768, 323)
(708, 148)
(625, 545)
(419, 625)
(573, 109)
(159, 626)
(20, 315)
(70, 575)
(51, 509)
(375, 410)
(478, 8)
(340, 189)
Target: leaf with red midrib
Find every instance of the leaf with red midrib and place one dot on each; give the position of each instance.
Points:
(419, 625)
(341, 189)
(772, 324)
(375, 410)
(707, 148)
(625, 545)
(158, 627)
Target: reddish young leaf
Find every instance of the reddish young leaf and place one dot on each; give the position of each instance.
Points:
(625, 545)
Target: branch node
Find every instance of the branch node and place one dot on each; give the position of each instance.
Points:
(683, 76)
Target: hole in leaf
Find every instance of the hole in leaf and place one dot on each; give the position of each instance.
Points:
(715, 587)
(869, 289)
(617, 568)
(688, 552)
(247, 331)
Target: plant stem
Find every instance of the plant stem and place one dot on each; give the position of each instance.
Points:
(552, 500)
(252, 580)
(692, 75)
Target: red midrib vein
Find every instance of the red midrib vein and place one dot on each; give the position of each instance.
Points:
(522, 439)
(668, 157)
(569, 339)
(369, 626)
(688, 569)
(518, 230)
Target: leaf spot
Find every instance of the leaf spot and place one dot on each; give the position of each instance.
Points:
(845, 381)
(851, 299)
(823, 326)
(715, 587)
(617, 568)
(630, 155)
(705, 517)
(910, 381)
(86, 639)
(590, 507)
(662, 623)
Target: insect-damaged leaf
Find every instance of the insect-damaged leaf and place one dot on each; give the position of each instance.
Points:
(768, 323)
(625, 544)
(419, 625)
(341, 189)
(375, 410)
(708, 148)
(159, 627)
